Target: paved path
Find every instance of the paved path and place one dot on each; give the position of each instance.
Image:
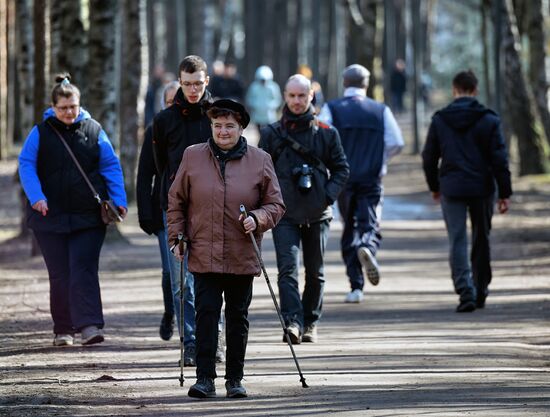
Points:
(402, 352)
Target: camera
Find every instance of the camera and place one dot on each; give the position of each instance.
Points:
(303, 176)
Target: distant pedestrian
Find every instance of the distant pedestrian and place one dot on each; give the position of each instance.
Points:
(370, 137)
(312, 169)
(150, 213)
(398, 86)
(318, 98)
(228, 85)
(464, 156)
(263, 97)
(213, 180)
(63, 213)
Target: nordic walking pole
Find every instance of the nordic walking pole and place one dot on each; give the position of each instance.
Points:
(180, 243)
(285, 330)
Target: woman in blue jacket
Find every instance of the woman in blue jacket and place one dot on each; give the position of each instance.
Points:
(63, 213)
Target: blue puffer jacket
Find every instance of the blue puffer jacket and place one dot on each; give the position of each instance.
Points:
(466, 136)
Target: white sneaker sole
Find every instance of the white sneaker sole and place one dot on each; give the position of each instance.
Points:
(368, 262)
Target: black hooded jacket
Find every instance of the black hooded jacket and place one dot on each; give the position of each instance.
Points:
(466, 136)
(174, 129)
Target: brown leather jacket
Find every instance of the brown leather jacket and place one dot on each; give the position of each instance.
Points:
(204, 204)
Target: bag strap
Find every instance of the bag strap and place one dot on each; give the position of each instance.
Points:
(297, 147)
(94, 192)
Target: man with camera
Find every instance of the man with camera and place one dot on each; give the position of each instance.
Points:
(312, 170)
(370, 137)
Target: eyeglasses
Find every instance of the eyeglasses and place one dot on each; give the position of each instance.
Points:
(64, 109)
(196, 84)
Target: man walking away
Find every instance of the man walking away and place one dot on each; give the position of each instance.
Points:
(463, 157)
(370, 137)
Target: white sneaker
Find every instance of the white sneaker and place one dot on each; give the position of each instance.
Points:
(63, 339)
(368, 262)
(91, 335)
(356, 296)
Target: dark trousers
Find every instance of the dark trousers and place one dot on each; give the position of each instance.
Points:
(287, 237)
(72, 260)
(360, 206)
(470, 277)
(237, 292)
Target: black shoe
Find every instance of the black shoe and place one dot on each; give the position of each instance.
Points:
(166, 326)
(466, 306)
(480, 302)
(203, 388)
(293, 330)
(235, 389)
(189, 356)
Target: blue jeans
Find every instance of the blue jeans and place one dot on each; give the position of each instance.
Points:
(188, 295)
(166, 283)
(469, 278)
(287, 237)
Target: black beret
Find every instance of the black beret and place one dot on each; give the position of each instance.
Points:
(235, 106)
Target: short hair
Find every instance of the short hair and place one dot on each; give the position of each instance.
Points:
(465, 81)
(64, 88)
(191, 64)
(300, 79)
(215, 112)
(356, 76)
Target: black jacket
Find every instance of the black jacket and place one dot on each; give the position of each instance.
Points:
(148, 188)
(174, 129)
(324, 142)
(466, 136)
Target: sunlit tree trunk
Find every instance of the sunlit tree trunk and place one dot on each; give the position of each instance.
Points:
(25, 82)
(3, 78)
(519, 101)
(537, 62)
(362, 32)
(131, 89)
(68, 41)
(101, 100)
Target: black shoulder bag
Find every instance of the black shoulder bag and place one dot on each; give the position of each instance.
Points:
(300, 149)
(109, 213)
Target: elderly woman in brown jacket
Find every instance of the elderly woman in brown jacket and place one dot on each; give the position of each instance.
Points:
(213, 180)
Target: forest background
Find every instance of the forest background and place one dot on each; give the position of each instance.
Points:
(114, 48)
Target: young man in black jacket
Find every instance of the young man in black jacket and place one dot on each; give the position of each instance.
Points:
(174, 129)
(150, 213)
(466, 137)
(312, 170)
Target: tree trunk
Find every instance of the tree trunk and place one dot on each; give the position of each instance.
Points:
(102, 97)
(362, 32)
(3, 79)
(68, 41)
(131, 90)
(485, 9)
(537, 62)
(520, 106)
(24, 79)
(39, 93)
